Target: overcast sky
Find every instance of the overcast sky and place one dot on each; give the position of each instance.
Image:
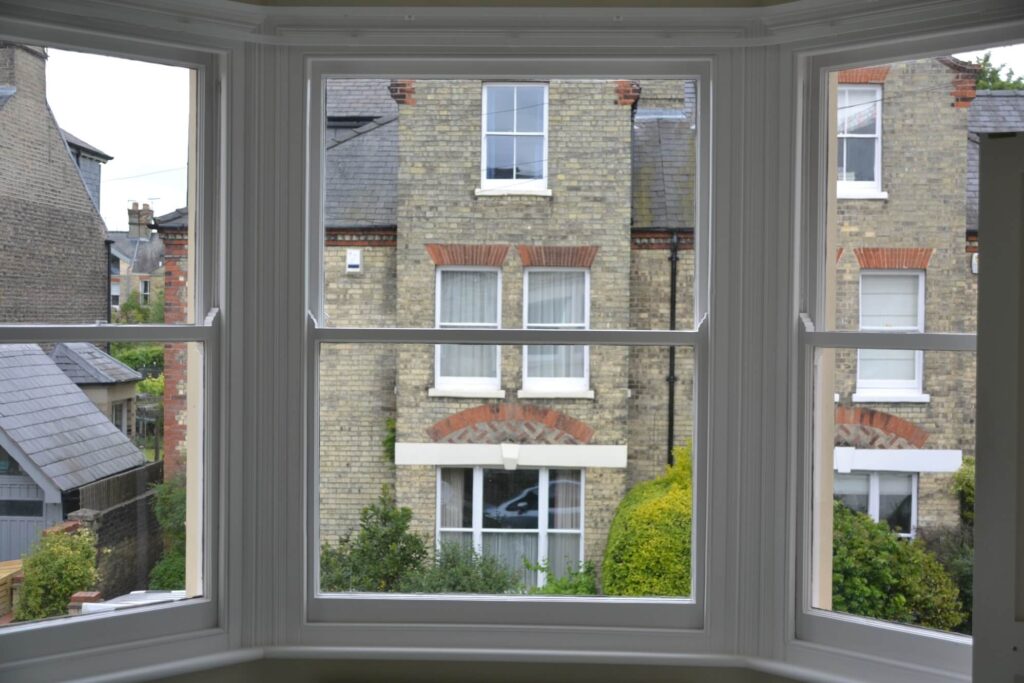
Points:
(134, 111)
(138, 113)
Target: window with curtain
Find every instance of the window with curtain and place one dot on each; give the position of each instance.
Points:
(889, 497)
(467, 298)
(890, 302)
(525, 518)
(556, 299)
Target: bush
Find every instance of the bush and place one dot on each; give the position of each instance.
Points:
(58, 566)
(953, 547)
(963, 487)
(648, 551)
(169, 507)
(154, 386)
(383, 553)
(875, 573)
(146, 358)
(457, 568)
(580, 581)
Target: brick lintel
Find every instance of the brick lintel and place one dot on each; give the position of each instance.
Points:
(492, 255)
(893, 258)
(661, 238)
(558, 257)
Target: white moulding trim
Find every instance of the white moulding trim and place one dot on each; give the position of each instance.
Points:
(531, 393)
(890, 397)
(498, 192)
(897, 460)
(434, 392)
(510, 456)
(854, 194)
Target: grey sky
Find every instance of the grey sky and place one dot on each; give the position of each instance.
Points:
(136, 112)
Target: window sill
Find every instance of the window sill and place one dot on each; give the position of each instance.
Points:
(434, 392)
(582, 394)
(506, 192)
(890, 397)
(849, 194)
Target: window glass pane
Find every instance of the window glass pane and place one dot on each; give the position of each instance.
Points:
(551, 480)
(79, 169)
(869, 452)
(889, 300)
(860, 159)
(529, 156)
(456, 498)
(883, 364)
(894, 500)
(852, 491)
(469, 297)
(555, 361)
(500, 156)
(511, 499)
(501, 109)
(564, 499)
(99, 478)
(410, 185)
(556, 297)
(530, 109)
(468, 360)
(858, 116)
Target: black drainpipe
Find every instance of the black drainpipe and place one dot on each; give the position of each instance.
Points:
(106, 267)
(671, 379)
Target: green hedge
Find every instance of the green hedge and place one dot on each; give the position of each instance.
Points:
(875, 573)
(458, 569)
(648, 551)
(58, 566)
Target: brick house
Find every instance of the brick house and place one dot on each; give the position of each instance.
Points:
(136, 259)
(485, 446)
(904, 420)
(48, 204)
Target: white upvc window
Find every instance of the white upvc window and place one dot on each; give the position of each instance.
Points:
(859, 144)
(556, 299)
(115, 294)
(514, 156)
(468, 297)
(891, 301)
(889, 497)
(144, 292)
(526, 518)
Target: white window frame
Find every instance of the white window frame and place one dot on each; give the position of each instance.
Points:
(86, 644)
(542, 530)
(864, 189)
(873, 498)
(115, 294)
(466, 387)
(556, 387)
(144, 292)
(500, 186)
(891, 390)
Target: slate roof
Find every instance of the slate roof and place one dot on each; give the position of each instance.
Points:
(175, 220)
(664, 157)
(84, 363)
(992, 111)
(49, 425)
(84, 146)
(143, 255)
(361, 163)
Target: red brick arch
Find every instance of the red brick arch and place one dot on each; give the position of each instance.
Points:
(868, 428)
(510, 423)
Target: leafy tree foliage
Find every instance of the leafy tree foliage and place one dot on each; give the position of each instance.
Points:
(140, 357)
(963, 487)
(58, 566)
(991, 76)
(383, 553)
(648, 551)
(457, 568)
(154, 386)
(579, 581)
(169, 507)
(875, 573)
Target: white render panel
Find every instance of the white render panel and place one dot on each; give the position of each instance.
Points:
(529, 455)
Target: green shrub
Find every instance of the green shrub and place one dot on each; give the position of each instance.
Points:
(58, 566)
(390, 436)
(579, 581)
(648, 551)
(875, 573)
(139, 356)
(953, 547)
(382, 554)
(963, 487)
(154, 386)
(169, 506)
(457, 568)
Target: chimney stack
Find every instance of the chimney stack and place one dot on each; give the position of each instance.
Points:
(139, 221)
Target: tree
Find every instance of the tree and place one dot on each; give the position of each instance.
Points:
(648, 551)
(991, 78)
(59, 565)
(875, 573)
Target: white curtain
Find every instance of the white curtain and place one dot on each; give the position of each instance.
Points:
(468, 299)
(557, 299)
(564, 499)
(563, 553)
(889, 301)
(454, 497)
(511, 549)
